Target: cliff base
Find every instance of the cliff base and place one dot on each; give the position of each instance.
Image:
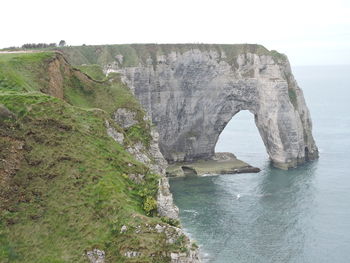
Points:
(221, 163)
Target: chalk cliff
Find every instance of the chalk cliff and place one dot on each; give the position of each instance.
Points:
(192, 91)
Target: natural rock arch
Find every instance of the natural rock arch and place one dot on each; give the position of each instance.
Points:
(191, 95)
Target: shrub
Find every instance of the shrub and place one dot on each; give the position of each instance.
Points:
(171, 221)
(150, 205)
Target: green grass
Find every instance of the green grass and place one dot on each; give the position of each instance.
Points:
(133, 54)
(28, 73)
(72, 192)
(109, 95)
(93, 70)
(23, 72)
(278, 56)
(65, 187)
(88, 57)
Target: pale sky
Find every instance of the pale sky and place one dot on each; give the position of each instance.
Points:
(309, 32)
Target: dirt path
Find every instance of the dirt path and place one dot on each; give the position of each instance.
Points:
(20, 51)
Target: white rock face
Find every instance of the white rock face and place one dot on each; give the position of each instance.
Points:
(190, 256)
(165, 201)
(117, 136)
(125, 117)
(132, 254)
(96, 256)
(192, 95)
(152, 157)
(123, 229)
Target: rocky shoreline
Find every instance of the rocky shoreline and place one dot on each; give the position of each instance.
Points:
(221, 163)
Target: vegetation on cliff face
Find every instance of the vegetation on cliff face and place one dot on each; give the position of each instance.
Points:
(65, 187)
(133, 54)
(94, 71)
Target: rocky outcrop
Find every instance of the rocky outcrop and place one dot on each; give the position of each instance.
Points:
(165, 201)
(221, 163)
(193, 93)
(96, 256)
(186, 253)
(150, 156)
(153, 158)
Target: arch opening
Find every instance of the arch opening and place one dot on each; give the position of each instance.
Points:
(241, 137)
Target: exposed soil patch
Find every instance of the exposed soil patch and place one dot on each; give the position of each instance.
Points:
(56, 79)
(11, 155)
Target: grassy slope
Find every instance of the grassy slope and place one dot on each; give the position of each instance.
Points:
(25, 72)
(109, 95)
(93, 70)
(64, 183)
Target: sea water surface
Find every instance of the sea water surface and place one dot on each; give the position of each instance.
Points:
(300, 215)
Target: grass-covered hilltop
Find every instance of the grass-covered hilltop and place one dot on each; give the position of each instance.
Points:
(78, 178)
(129, 55)
(134, 54)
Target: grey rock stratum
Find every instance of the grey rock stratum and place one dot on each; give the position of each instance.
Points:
(191, 93)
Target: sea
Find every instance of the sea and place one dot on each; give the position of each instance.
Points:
(299, 215)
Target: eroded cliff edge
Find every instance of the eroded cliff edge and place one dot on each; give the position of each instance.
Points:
(192, 91)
